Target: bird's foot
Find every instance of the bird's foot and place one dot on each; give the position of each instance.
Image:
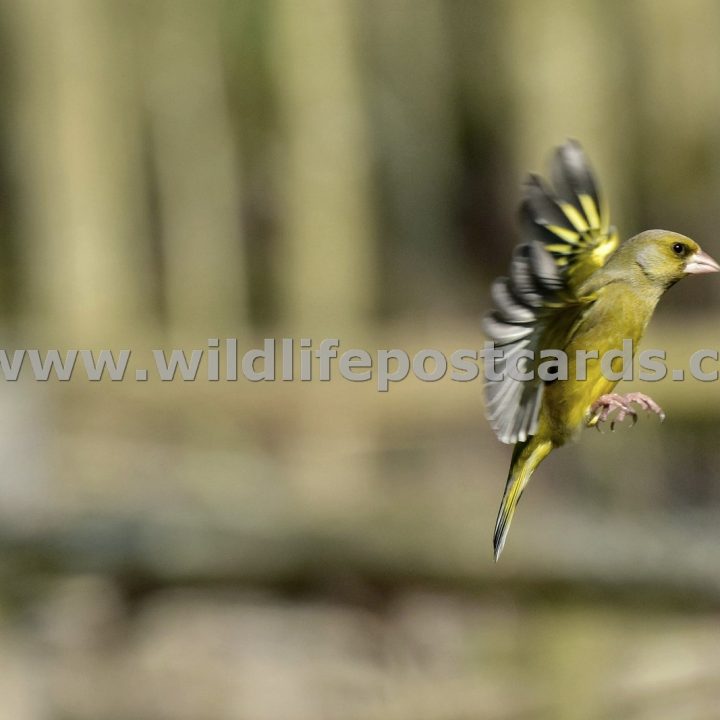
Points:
(605, 405)
(621, 405)
(646, 403)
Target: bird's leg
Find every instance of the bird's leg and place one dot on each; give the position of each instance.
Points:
(646, 403)
(601, 409)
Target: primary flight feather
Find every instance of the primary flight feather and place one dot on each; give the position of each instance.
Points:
(571, 287)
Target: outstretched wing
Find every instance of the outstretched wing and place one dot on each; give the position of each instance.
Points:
(567, 236)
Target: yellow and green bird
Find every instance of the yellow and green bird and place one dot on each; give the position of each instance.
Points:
(571, 287)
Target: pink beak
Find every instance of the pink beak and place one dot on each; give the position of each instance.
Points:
(701, 262)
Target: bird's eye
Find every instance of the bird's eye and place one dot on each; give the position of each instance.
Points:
(678, 248)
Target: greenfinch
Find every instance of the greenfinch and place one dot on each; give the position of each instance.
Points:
(571, 287)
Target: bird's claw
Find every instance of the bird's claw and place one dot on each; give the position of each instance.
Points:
(646, 403)
(604, 406)
(621, 405)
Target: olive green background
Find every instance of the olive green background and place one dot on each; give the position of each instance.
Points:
(177, 171)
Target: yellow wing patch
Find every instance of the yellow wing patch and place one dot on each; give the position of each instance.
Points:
(571, 220)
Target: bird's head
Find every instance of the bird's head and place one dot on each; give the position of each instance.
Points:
(666, 257)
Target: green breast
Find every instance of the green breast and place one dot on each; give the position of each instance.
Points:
(619, 313)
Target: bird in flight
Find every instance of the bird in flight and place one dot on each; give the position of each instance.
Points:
(571, 287)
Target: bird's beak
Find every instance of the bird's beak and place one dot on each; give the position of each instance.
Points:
(701, 262)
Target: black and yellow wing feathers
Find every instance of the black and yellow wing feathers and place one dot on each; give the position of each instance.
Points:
(567, 237)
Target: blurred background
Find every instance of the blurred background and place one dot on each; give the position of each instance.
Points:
(177, 171)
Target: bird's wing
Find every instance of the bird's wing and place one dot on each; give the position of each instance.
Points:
(567, 237)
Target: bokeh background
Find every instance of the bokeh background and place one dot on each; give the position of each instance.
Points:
(177, 171)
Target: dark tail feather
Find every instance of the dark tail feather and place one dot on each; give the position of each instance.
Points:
(526, 457)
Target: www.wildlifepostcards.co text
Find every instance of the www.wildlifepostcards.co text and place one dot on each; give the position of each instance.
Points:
(291, 359)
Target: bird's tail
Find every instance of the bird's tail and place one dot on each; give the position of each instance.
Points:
(526, 457)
